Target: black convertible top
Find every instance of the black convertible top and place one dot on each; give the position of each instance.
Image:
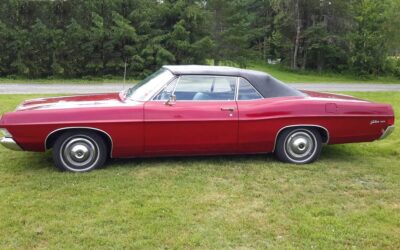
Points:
(267, 85)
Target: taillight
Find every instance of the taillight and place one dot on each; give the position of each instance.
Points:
(390, 121)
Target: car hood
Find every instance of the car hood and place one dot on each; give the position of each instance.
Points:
(64, 102)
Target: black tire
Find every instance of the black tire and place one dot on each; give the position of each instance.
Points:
(298, 145)
(79, 151)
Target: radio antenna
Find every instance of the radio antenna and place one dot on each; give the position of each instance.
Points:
(123, 85)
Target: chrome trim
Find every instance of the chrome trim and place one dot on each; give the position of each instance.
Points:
(387, 132)
(177, 82)
(296, 150)
(149, 98)
(162, 88)
(9, 143)
(196, 101)
(6, 133)
(301, 125)
(67, 155)
(237, 97)
(230, 109)
(237, 89)
(89, 128)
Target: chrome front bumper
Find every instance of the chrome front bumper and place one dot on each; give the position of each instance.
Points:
(387, 132)
(10, 144)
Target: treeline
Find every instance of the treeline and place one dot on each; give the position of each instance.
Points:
(75, 38)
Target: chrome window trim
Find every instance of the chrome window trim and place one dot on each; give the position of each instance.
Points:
(262, 97)
(302, 125)
(151, 96)
(237, 88)
(89, 128)
(162, 88)
(177, 82)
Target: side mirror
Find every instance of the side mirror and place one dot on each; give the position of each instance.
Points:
(171, 100)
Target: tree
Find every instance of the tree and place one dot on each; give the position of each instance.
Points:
(368, 40)
(77, 38)
(230, 30)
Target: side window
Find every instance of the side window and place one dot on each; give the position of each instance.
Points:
(247, 91)
(204, 88)
(166, 92)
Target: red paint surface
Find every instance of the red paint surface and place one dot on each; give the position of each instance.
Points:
(187, 127)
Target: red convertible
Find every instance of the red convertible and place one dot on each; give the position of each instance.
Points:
(193, 110)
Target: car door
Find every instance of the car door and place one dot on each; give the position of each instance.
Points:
(202, 118)
(254, 134)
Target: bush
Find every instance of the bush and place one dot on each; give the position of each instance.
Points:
(392, 66)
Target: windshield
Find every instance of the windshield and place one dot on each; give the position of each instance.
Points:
(146, 88)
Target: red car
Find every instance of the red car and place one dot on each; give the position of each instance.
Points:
(193, 110)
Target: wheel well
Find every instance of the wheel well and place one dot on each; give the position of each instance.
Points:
(321, 130)
(52, 137)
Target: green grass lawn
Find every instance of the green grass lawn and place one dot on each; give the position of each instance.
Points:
(350, 198)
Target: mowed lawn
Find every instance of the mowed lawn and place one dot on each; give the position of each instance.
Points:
(350, 198)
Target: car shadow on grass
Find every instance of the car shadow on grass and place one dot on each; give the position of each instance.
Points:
(40, 161)
(329, 153)
(193, 160)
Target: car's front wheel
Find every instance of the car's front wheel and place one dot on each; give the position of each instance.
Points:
(79, 151)
(299, 145)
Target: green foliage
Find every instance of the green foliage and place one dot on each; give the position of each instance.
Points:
(77, 38)
(369, 49)
(392, 66)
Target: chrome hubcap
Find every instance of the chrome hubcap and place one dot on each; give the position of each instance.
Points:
(79, 153)
(300, 144)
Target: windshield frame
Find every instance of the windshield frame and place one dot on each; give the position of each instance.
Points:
(145, 89)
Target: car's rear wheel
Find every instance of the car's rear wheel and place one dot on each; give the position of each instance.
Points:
(79, 151)
(299, 145)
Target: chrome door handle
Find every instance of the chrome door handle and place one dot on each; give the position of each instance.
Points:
(228, 109)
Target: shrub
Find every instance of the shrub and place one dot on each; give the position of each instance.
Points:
(392, 66)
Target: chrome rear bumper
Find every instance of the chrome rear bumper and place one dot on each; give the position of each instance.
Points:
(10, 144)
(387, 132)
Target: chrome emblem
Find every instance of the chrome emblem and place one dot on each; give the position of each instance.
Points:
(377, 122)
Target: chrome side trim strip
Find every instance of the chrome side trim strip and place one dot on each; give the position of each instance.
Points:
(302, 125)
(9, 143)
(89, 128)
(389, 130)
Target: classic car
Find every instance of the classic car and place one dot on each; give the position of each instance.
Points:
(193, 110)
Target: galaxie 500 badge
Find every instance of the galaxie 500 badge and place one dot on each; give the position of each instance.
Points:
(377, 122)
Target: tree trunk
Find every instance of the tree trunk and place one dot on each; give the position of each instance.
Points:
(265, 49)
(298, 30)
(304, 64)
(320, 63)
(217, 36)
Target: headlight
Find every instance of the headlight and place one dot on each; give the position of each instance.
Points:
(5, 133)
